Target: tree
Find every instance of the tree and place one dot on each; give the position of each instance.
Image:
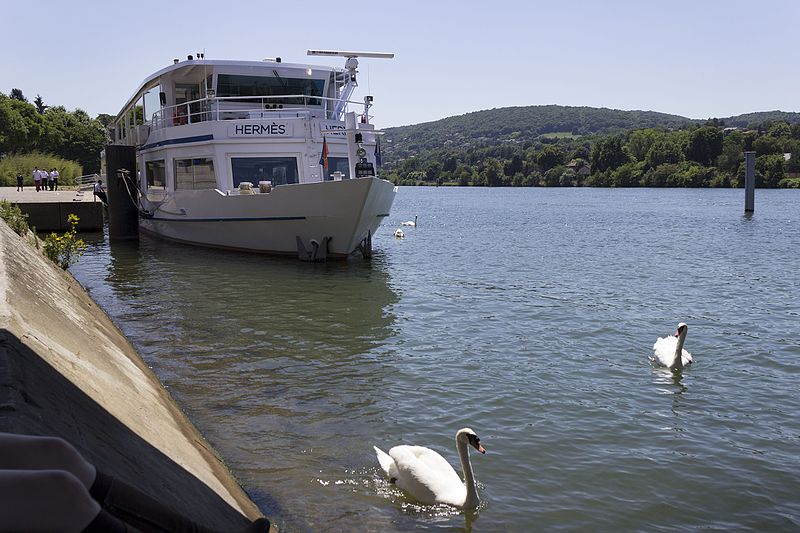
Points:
(432, 171)
(666, 149)
(766, 145)
(105, 119)
(608, 154)
(627, 175)
(493, 173)
(732, 153)
(640, 141)
(515, 166)
(770, 169)
(548, 157)
(705, 145)
(39, 103)
(16, 94)
(779, 129)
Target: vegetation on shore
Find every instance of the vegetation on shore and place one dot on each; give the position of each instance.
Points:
(65, 248)
(516, 146)
(14, 217)
(532, 147)
(69, 136)
(11, 165)
(62, 249)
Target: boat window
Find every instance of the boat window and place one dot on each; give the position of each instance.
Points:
(197, 173)
(152, 102)
(278, 170)
(230, 85)
(156, 174)
(340, 164)
(195, 111)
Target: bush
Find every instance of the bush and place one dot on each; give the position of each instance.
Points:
(12, 165)
(15, 219)
(66, 248)
(627, 175)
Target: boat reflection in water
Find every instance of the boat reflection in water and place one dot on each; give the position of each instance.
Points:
(279, 363)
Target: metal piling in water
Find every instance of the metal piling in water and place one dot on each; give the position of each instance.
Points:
(749, 181)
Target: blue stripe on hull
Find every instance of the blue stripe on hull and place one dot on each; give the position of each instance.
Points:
(183, 140)
(243, 219)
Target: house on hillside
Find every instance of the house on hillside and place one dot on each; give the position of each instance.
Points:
(581, 167)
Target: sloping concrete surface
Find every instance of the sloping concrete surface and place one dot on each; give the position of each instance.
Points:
(67, 370)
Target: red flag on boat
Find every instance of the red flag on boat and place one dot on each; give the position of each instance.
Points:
(323, 159)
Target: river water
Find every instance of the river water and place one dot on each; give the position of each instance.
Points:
(526, 314)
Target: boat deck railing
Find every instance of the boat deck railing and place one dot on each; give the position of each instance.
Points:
(213, 109)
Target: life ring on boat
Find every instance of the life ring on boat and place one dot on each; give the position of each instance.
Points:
(180, 115)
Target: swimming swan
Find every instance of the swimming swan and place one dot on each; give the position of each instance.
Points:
(412, 223)
(669, 351)
(399, 233)
(428, 477)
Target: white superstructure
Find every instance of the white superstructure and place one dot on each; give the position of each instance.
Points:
(257, 155)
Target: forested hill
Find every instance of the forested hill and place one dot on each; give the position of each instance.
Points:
(520, 124)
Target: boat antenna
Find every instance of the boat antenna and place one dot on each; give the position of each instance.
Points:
(350, 65)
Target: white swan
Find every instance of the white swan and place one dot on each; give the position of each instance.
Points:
(428, 477)
(412, 223)
(669, 352)
(399, 233)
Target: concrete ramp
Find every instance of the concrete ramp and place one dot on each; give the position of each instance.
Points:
(67, 370)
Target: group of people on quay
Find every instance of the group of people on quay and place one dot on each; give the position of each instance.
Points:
(46, 179)
(42, 180)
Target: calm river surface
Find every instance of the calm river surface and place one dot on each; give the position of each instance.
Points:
(526, 314)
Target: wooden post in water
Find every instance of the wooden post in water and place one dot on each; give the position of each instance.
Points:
(749, 181)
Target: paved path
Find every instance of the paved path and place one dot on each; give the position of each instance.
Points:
(29, 195)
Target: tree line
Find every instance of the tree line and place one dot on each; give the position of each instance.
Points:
(35, 127)
(693, 155)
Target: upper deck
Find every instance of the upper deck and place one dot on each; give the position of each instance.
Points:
(195, 91)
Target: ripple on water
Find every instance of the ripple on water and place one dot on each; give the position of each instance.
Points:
(528, 315)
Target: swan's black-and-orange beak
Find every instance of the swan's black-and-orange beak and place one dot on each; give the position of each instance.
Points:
(475, 442)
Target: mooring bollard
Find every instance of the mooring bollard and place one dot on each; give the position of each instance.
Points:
(749, 181)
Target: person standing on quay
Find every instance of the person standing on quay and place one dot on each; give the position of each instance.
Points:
(19, 182)
(54, 177)
(37, 178)
(45, 179)
(100, 192)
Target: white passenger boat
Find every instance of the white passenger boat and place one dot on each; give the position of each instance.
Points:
(260, 156)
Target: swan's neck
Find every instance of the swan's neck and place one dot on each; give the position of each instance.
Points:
(469, 478)
(677, 364)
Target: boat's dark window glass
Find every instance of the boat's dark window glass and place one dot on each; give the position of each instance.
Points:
(278, 170)
(156, 174)
(266, 86)
(196, 173)
(152, 103)
(340, 164)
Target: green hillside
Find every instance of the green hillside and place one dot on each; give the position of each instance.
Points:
(520, 124)
(557, 146)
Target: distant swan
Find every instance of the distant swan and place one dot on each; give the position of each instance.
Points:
(399, 233)
(669, 352)
(428, 477)
(412, 223)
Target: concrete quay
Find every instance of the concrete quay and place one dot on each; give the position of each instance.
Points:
(48, 210)
(66, 370)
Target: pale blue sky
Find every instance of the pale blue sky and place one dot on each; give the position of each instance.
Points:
(692, 58)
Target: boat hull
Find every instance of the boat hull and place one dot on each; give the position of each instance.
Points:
(346, 212)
